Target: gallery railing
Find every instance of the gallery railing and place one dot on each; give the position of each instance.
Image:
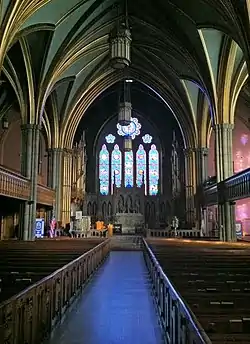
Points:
(210, 195)
(45, 195)
(179, 323)
(13, 184)
(29, 316)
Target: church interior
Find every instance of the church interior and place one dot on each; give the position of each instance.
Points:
(125, 153)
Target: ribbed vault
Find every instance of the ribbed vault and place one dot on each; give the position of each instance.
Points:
(54, 57)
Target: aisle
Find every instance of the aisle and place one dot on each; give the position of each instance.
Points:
(116, 307)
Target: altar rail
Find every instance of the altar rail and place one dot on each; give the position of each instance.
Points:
(13, 184)
(29, 316)
(167, 233)
(179, 323)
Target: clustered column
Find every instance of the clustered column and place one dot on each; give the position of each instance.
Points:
(67, 181)
(224, 169)
(202, 164)
(55, 179)
(190, 185)
(29, 168)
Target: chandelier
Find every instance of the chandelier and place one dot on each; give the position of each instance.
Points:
(120, 43)
(125, 106)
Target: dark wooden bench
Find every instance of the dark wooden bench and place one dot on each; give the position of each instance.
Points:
(214, 280)
(24, 263)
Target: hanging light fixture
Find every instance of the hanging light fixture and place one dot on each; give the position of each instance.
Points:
(120, 42)
(127, 143)
(125, 106)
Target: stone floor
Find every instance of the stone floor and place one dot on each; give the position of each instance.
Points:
(116, 307)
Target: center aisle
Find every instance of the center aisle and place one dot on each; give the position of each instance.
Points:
(115, 307)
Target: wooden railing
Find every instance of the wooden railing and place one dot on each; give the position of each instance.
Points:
(29, 316)
(13, 184)
(168, 233)
(45, 195)
(179, 323)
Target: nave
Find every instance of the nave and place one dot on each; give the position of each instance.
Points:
(115, 307)
(125, 289)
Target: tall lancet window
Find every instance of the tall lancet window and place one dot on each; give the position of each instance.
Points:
(116, 166)
(141, 164)
(104, 170)
(129, 169)
(153, 178)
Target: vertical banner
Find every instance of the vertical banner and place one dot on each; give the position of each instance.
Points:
(39, 230)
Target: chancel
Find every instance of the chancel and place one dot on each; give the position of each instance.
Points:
(128, 184)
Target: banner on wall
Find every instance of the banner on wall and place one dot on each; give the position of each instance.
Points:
(238, 229)
(39, 229)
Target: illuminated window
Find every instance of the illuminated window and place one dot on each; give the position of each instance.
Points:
(104, 170)
(129, 169)
(147, 138)
(116, 166)
(133, 129)
(110, 138)
(153, 178)
(141, 164)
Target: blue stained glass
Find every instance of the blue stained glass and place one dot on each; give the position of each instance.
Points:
(104, 170)
(133, 129)
(141, 163)
(153, 160)
(116, 166)
(129, 169)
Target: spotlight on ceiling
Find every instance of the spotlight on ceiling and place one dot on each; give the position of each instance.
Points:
(128, 80)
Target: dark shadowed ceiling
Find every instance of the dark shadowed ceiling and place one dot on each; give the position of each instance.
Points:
(54, 56)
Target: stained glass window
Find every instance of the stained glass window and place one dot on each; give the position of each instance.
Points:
(153, 178)
(104, 170)
(110, 138)
(147, 138)
(129, 169)
(133, 129)
(116, 166)
(141, 163)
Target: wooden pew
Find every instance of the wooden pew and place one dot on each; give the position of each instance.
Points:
(24, 263)
(214, 280)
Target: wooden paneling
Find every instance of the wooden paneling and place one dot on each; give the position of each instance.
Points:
(45, 195)
(13, 184)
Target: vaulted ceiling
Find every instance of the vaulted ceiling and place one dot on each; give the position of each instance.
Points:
(54, 57)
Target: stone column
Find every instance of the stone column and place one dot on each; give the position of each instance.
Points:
(67, 184)
(224, 169)
(29, 168)
(55, 179)
(190, 185)
(202, 175)
(202, 164)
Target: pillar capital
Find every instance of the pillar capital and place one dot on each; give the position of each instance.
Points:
(223, 126)
(188, 152)
(30, 126)
(68, 151)
(203, 150)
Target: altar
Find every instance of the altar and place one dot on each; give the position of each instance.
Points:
(129, 221)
